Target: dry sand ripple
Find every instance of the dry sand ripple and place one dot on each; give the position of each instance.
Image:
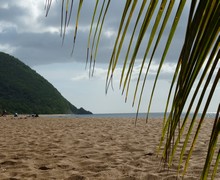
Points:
(85, 148)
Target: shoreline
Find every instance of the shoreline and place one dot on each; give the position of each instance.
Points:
(154, 115)
(88, 148)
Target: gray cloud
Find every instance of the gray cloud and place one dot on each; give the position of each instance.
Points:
(34, 39)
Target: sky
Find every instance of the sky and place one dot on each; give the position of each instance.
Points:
(28, 35)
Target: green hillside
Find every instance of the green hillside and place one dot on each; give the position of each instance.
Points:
(22, 90)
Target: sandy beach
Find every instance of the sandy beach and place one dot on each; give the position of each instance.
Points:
(88, 148)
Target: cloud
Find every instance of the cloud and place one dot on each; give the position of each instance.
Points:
(35, 39)
(7, 48)
(80, 77)
(21, 14)
(100, 73)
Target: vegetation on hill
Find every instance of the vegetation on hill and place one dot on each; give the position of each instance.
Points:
(23, 90)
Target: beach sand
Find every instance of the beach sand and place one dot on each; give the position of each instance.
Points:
(89, 148)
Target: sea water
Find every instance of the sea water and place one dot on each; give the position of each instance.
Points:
(155, 115)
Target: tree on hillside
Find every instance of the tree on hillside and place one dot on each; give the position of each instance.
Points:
(197, 70)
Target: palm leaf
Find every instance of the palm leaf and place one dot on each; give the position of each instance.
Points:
(172, 31)
(110, 73)
(199, 52)
(131, 39)
(151, 38)
(167, 15)
(90, 31)
(61, 30)
(144, 26)
(212, 145)
(123, 34)
(65, 21)
(99, 35)
(95, 33)
(206, 69)
(47, 6)
(76, 26)
(71, 9)
(196, 65)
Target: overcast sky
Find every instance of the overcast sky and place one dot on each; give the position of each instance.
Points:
(27, 34)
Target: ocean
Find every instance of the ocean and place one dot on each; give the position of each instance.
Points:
(123, 115)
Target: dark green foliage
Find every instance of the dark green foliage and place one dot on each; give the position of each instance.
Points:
(22, 90)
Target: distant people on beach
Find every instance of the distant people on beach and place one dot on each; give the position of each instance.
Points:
(35, 115)
(4, 112)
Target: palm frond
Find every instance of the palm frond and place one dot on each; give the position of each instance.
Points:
(76, 26)
(147, 17)
(196, 65)
(99, 35)
(131, 39)
(90, 31)
(47, 6)
(111, 63)
(151, 38)
(195, 52)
